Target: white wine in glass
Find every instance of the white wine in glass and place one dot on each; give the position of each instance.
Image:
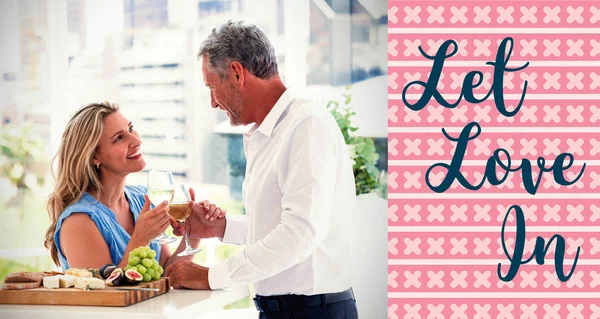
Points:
(160, 189)
(180, 209)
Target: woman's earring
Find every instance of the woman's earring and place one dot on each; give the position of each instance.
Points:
(98, 166)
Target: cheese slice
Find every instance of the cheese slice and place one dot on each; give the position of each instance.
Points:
(95, 283)
(86, 283)
(51, 282)
(66, 281)
(79, 272)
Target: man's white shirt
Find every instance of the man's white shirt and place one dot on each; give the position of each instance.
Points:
(299, 195)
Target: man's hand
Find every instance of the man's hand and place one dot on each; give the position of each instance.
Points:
(205, 216)
(186, 274)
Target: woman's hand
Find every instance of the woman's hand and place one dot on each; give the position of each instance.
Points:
(152, 222)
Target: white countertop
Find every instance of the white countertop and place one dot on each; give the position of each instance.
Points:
(174, 304)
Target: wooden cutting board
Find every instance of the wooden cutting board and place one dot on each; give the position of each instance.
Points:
(109, 297)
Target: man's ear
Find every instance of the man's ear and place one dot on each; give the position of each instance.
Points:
(237, 72)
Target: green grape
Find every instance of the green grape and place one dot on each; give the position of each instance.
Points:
(155, 264)
(133, 260)
(147, 262)
(141, 269)
(156, 276)
(146, 277)
(135, 252)
(160, 270)
(143, 254)
(150, 272)
(151, 254)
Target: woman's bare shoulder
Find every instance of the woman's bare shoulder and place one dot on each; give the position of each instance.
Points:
(78, 223)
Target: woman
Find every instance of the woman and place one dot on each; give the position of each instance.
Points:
(95, 218)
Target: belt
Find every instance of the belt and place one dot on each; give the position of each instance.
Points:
(291, 302)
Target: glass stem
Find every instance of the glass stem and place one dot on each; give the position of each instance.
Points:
(188, 246)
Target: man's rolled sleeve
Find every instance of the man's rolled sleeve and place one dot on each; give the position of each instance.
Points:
(218, 276)
(235, 230)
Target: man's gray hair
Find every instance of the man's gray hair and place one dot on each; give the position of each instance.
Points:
(236, 41)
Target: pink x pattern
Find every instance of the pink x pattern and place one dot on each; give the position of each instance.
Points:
(575, 113)
(458, 213)
(595, 146)
(482, 213)
(552, 146)
(412, 246)
(575, 311)
(552, 213)
(575, 14)
(575, 80)
(458, 246)
(551, 47)
(435, 279)
(575, 213)
(528, 312)
(528, 279)
(482, 279)
(482, 246)
(552, 80)
(412, 279)
(552, 311)
(435, 246)
(435, 14)
(575, 147)
(482, 312)
(482, 14)
(459, 312)
(459, 279)
(392, 246)
(575, 47)
(412, 212)
(435, 312)
(551, 113)
(552, 14)
(392, 47)
(505, 14)
(412, 15)
(412, 47)
(482, 47)
(505, 311)
(435, 213)
(392, 213)
(458, 14)
(551, 280)
(412, 180)
(528, 15)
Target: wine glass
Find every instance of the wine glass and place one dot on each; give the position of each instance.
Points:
(180, 209)
(160, 189)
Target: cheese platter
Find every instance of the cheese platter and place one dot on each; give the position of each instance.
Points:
(109, 285)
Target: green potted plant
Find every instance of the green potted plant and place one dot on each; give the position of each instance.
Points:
(367, 176)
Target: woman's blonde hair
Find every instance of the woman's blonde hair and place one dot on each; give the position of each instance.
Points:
(75, 172)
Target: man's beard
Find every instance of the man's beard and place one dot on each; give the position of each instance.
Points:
(235, 110)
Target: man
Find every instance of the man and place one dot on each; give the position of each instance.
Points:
(299, 190)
